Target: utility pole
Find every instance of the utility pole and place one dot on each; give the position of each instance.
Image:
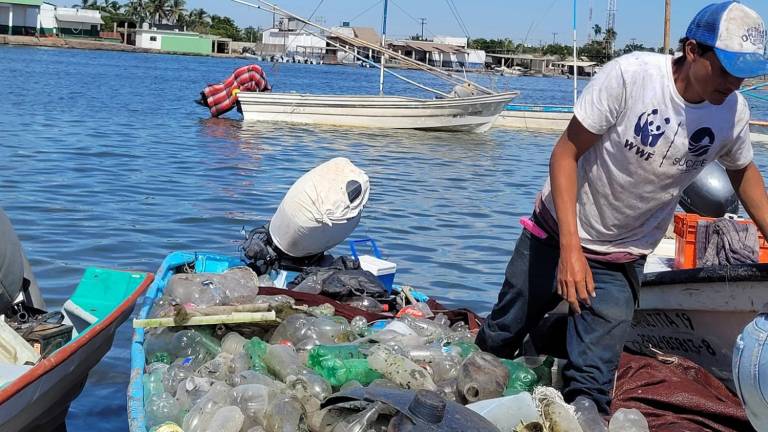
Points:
(423, 21)
(554, 38)
(667, 14)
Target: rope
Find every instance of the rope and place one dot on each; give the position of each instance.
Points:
(427, 68)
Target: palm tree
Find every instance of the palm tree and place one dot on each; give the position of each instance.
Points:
(85, 4)
(136, 10)
(598, 30)
(158, 10)
(176, 11)
(198, 20)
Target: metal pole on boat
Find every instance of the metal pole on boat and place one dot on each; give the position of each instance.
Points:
(575, 69)
(383, 37)
(667, 14)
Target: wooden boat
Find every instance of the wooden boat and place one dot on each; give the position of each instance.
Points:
(38, 399)
(466, 114)
(555, 118)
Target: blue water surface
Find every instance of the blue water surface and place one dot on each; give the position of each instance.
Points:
(107, 162)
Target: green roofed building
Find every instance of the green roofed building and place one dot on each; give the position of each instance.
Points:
(181, 41)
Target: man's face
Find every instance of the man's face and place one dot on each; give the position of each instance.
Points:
(711, 79)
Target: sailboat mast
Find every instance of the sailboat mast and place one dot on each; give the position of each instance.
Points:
(575, 69)
(381, 59)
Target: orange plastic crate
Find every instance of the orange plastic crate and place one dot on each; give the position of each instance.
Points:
(685, 239)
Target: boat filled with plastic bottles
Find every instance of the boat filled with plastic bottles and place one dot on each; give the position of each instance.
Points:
(286, 337)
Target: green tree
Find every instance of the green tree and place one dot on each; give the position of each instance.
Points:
(136, 10)
(598, 30)
(198, 20)
(225, 27)
(251, 34)
(631, 47)
(557, 49)
(176, 12)
(158, 10)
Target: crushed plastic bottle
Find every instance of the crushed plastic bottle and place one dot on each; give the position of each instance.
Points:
(161, 408)
(589, 418)
(233, 343)
(521, 378)
(359, 325)
(176, 373)
(253, 400)
(282, 362)
(200, 415)
(226, 419)
(628, 420)
(366, 303)
(218, 369)
(400, 370)
(153, 379)
(361, 421)
(191, 390)
(482, 376)
(284, 415)
(508, 412)
(555, 411)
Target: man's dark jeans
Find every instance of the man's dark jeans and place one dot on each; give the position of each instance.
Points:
(595, 338)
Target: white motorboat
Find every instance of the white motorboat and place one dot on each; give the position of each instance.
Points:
(468, 114)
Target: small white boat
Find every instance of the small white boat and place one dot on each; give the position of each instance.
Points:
(555, 118)
(535, 117)
(467, 114)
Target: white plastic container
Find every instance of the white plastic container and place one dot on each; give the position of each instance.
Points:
(506, 413)
(384, 270)
(13, 348)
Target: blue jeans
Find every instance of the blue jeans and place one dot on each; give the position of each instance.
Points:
(750, 370)
(594, 339)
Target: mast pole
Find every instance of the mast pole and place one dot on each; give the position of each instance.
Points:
(667, 14)
(382, 55)
(575, 69)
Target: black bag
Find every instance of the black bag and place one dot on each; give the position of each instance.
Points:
(343, 278)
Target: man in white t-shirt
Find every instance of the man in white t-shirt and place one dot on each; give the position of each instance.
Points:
(643, 128)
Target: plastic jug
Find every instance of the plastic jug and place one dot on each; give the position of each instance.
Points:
(507, 412)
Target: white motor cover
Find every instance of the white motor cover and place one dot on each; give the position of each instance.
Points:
(316, 213)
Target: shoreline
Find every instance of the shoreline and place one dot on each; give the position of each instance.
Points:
(87, 44)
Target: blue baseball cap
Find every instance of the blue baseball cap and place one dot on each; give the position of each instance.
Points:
(737, 34)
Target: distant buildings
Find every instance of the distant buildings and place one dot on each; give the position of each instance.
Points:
(444, 51)
(181, 41)
(38, 18)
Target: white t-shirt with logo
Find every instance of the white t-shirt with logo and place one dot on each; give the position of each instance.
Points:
(653, 145)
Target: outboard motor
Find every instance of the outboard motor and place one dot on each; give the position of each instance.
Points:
(11, 264)
(710, 194)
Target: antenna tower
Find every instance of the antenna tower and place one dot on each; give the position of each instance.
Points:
(589, 29)
(610, 23)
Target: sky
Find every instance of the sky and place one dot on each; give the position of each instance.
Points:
(536, 22)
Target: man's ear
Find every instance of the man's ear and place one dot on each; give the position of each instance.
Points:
(691, 50)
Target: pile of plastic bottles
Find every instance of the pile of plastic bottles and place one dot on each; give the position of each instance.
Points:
(204, 378)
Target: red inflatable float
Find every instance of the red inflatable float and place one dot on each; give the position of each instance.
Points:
(221, 98)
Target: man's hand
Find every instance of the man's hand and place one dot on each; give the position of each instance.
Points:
(574, 279)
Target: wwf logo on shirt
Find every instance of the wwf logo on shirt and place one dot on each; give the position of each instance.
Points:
(650, 127)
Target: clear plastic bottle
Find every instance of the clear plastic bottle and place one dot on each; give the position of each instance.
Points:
(284, 415)
(241, 362)
(189, 343)
(153, 379)
(361, 421)
(508, 412)
(161, 408)
(359, 325)
(176, 373)
(218, 369)
(200, 415)
(366, 303)
(282, 362)
(157, 343)
(291, 327)
(191, 390)
(253, 400)
(233, 343)
(424, 327)
(226, 419)
(628, 420)
(400, 369)
(589, 418)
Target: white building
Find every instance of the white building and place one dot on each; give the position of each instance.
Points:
(36, 18)
(294, 42)
(451, 40)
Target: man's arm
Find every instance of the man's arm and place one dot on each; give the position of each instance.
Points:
(574, 277)
(750, 187)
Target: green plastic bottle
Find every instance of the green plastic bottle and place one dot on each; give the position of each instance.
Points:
(521, 378)
(544, 371)
(466, 348)
(256, 349)
(339, 372)
(320, 353)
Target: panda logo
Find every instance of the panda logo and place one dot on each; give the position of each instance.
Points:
(700, 142)
(650, 127)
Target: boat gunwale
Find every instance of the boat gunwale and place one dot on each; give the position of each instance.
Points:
(373, 102)
(60, 356)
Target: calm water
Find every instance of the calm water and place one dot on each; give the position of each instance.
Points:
(107, 162)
